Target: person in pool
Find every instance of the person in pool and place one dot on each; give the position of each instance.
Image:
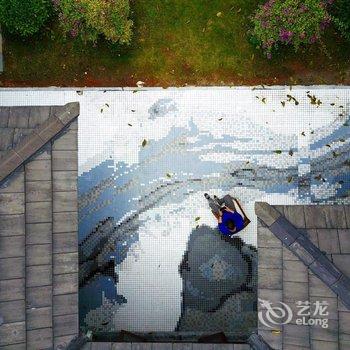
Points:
(230, 221)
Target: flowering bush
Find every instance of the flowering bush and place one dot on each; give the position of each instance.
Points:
(290, 22)
(341, 17)
(24, 18)
(90, 19)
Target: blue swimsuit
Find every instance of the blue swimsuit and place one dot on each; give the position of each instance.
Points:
(235, 217)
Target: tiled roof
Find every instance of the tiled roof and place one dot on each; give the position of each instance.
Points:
(283, 277)
(38, 226)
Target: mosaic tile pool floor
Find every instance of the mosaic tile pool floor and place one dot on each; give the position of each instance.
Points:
(151, 257)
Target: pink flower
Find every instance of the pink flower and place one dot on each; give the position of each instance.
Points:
(285, 35)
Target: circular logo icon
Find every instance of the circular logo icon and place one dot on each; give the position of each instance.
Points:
(271, 314)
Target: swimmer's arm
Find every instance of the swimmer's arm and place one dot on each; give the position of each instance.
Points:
(218, 217)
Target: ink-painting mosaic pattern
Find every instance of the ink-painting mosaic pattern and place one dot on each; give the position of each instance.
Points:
(151, 256)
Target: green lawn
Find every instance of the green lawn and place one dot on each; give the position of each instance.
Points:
(176, 42)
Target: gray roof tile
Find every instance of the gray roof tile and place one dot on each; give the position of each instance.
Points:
(18, 117)
(328, 239)
(19, 135)
(4, 116)
(38, 115)
(344, 239)
(6, 138)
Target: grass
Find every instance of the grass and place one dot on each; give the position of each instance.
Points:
(176, 42)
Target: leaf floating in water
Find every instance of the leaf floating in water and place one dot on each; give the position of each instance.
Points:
(278, 151)
(291, 98)
(144, 143)
(290, 179)
(318, 177)
(291, 152)
(168, 175)
(314, 100)
(197, 218)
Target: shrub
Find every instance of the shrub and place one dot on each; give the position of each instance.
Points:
(341, 17)
(24, 17)
(90, 19)
(290, 22)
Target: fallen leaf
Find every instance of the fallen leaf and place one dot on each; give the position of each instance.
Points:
(219, 14)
